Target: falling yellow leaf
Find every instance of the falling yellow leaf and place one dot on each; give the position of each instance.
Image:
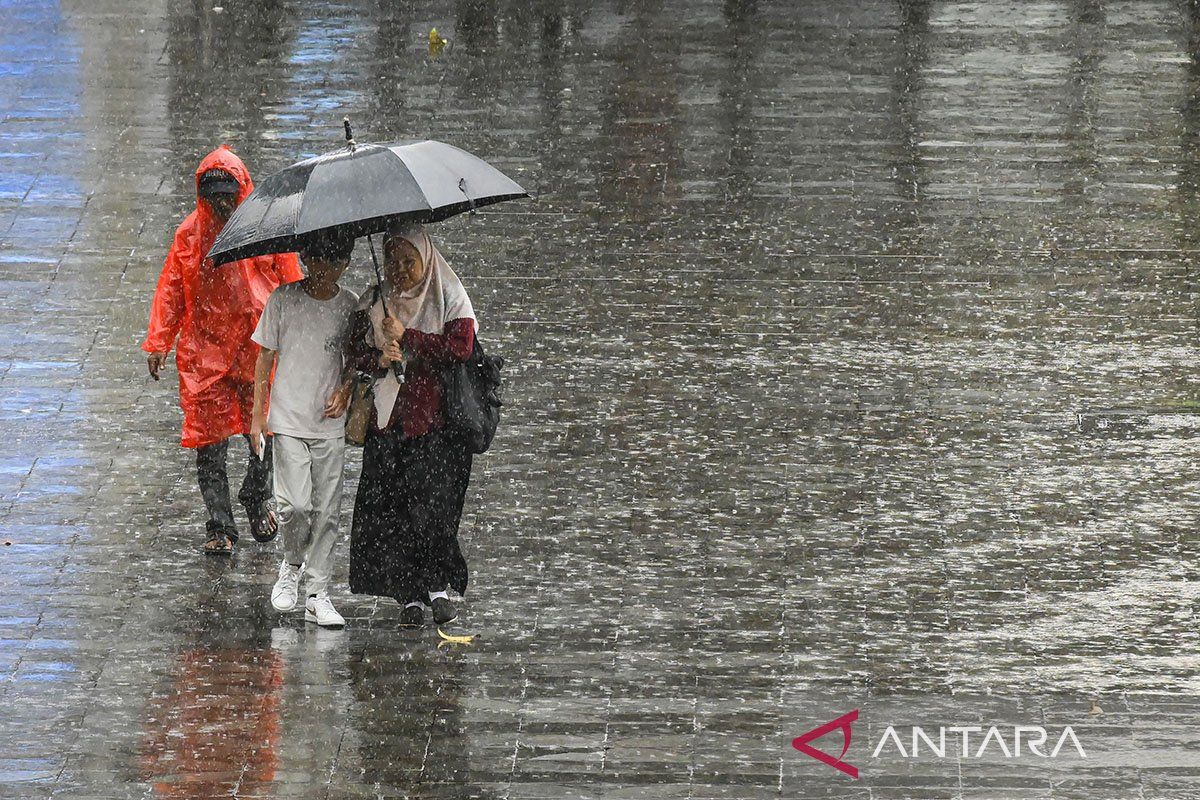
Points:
(436, 43)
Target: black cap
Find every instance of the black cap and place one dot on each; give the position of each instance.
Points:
(332, 243)
(218, 181)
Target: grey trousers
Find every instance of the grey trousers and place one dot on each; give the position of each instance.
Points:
(211, 461)
(308, 499)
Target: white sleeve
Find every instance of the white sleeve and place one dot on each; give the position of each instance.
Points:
(267, 333)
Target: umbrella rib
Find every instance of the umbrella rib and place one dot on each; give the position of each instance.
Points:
(303, 199)
(424, 195)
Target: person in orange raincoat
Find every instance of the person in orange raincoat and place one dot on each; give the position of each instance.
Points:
(213, 311)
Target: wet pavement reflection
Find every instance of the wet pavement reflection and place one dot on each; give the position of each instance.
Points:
(212, 728)
(850, 359)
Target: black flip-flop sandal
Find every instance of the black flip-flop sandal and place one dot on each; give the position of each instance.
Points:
(218, 543)
(264, 525)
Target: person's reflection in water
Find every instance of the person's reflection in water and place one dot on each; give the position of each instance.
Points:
(908, 91)
(408, 716)
(218, 65)
(1081, 106)
(387, 100)
(739, 78)
(640, 120)
(476, 23)
(1187, 198)
(215, 731)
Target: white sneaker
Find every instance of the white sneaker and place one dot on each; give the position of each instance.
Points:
(319, 609)
(286, 588)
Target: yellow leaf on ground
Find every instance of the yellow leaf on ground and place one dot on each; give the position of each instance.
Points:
(455, 639)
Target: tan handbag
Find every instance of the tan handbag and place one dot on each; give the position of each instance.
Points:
(358, 416)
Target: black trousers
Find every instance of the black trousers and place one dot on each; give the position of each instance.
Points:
(211, 471)
(404, 539)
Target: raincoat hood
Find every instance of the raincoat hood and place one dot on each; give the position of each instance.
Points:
(223, 159)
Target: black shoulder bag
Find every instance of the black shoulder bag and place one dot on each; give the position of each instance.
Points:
(473, 398)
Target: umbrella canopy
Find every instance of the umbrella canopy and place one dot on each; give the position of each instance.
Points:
(363, 187)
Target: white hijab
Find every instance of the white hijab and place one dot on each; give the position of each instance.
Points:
(439, 298)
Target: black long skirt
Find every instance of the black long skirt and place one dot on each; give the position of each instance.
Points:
(404, 540)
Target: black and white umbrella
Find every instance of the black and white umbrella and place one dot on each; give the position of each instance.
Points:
(362, 188)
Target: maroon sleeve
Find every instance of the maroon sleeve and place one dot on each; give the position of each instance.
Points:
(454, 343)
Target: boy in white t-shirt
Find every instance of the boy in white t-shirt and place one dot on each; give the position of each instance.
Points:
(302, 333)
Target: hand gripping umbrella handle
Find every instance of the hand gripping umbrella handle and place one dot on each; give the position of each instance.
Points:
(397, 366)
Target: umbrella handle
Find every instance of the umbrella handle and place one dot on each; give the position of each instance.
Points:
(378, 274)
(397, 366)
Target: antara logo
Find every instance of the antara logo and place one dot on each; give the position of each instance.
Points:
(801, 743)
(973, 741)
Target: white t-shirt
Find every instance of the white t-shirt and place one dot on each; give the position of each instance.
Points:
(309, 336)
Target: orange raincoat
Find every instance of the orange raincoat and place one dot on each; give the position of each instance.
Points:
(213, 311)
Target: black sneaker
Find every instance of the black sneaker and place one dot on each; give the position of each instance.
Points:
(443, 611)
(412, 617)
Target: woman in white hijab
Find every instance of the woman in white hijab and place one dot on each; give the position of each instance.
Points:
(404, 540)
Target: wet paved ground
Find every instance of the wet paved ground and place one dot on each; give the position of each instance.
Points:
(852, 352)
